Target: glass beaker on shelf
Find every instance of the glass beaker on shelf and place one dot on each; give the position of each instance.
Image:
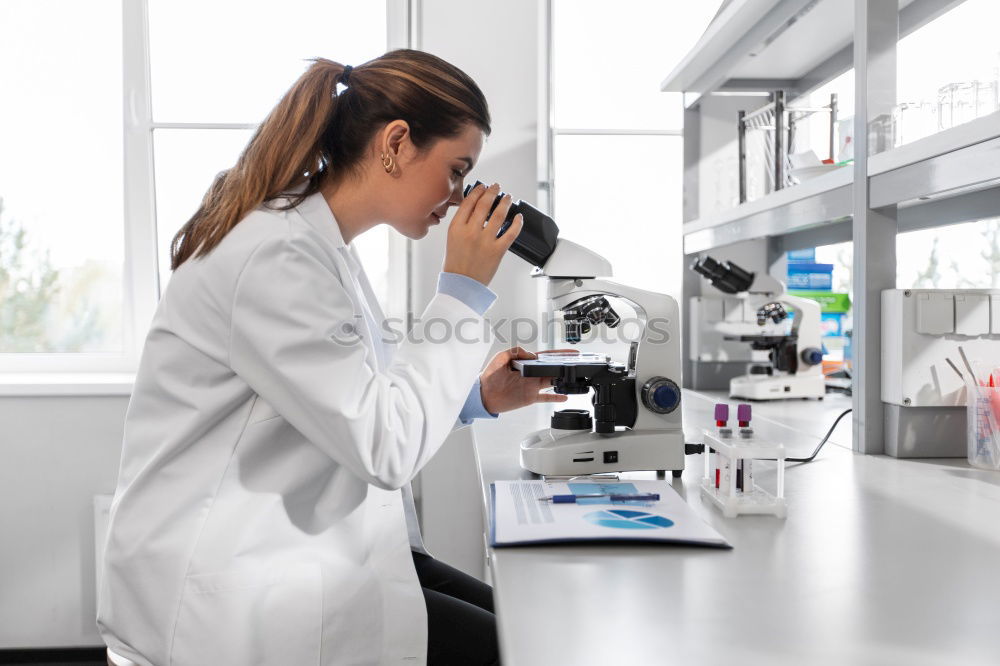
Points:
(881, 133)
(961, 102)
(912, 121)
(987, 101)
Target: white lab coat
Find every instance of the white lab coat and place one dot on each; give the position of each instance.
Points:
(258, 517)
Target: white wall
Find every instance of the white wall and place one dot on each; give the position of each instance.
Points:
(497, 45)
(57, 454)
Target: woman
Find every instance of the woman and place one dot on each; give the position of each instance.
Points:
(259, 517)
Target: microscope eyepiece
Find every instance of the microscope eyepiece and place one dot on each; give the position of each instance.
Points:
(727, 277)
(537, 240)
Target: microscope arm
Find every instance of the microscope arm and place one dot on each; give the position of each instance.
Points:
(806, 328)
(654, 359)
(807, 313)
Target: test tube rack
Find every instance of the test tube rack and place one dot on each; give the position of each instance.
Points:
(739, 452)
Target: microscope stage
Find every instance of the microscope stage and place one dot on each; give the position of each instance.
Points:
(553, 364)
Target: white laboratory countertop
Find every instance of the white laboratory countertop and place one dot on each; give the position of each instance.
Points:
(880, 561)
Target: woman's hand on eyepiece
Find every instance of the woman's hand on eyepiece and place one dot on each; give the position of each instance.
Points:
(473, 248)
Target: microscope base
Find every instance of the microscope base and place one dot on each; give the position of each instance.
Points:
(777, 387)
(552, 453)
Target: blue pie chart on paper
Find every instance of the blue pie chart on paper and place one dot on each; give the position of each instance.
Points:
(627, 520)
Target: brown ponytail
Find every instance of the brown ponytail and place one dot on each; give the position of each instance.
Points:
(313, 133)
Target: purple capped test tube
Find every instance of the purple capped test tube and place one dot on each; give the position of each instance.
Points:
(743, 415)
(721, 414)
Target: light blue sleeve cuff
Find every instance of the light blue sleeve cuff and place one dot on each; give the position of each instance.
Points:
(473, 293)
(473, 407)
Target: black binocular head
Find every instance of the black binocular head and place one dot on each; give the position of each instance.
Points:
(537, 240)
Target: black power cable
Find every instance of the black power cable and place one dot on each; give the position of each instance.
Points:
(822, 441)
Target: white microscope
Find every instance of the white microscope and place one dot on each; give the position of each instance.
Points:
(795, 352)
(636, 422)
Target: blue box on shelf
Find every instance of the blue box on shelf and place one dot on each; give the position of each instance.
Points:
(832, 323)
(807, 255)
(817, 277)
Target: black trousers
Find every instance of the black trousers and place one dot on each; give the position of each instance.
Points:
(461, 626)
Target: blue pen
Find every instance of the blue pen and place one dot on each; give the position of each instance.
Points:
(571, 499)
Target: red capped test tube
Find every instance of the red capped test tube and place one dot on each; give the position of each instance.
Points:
(721, 420)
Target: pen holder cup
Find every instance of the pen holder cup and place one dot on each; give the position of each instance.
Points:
(983, 426)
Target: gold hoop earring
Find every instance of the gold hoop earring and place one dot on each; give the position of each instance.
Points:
(387, 163)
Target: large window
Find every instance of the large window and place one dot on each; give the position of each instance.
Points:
(90, 197)
(61, 214)
(617, 146)
(960, 256)
(212, 80)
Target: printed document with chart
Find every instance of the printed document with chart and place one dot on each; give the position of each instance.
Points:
(519, 517)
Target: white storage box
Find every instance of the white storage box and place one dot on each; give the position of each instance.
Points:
(925, 399)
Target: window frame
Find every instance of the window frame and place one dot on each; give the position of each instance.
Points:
(547, 180)
(140, 269)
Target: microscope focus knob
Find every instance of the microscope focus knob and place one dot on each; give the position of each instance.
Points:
(812, 356)
(660, 395)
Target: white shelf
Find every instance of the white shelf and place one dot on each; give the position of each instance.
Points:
(755, 39)
(810, 204)
(783, 197)
(958, 161)
(715, 45)
(791, 44)
(945, 141)
(954, 162)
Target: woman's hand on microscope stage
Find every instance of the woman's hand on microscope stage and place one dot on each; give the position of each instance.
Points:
(473, 248)
(504, 389)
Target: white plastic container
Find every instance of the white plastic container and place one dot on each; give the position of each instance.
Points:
(982, 431)
(752, 498)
